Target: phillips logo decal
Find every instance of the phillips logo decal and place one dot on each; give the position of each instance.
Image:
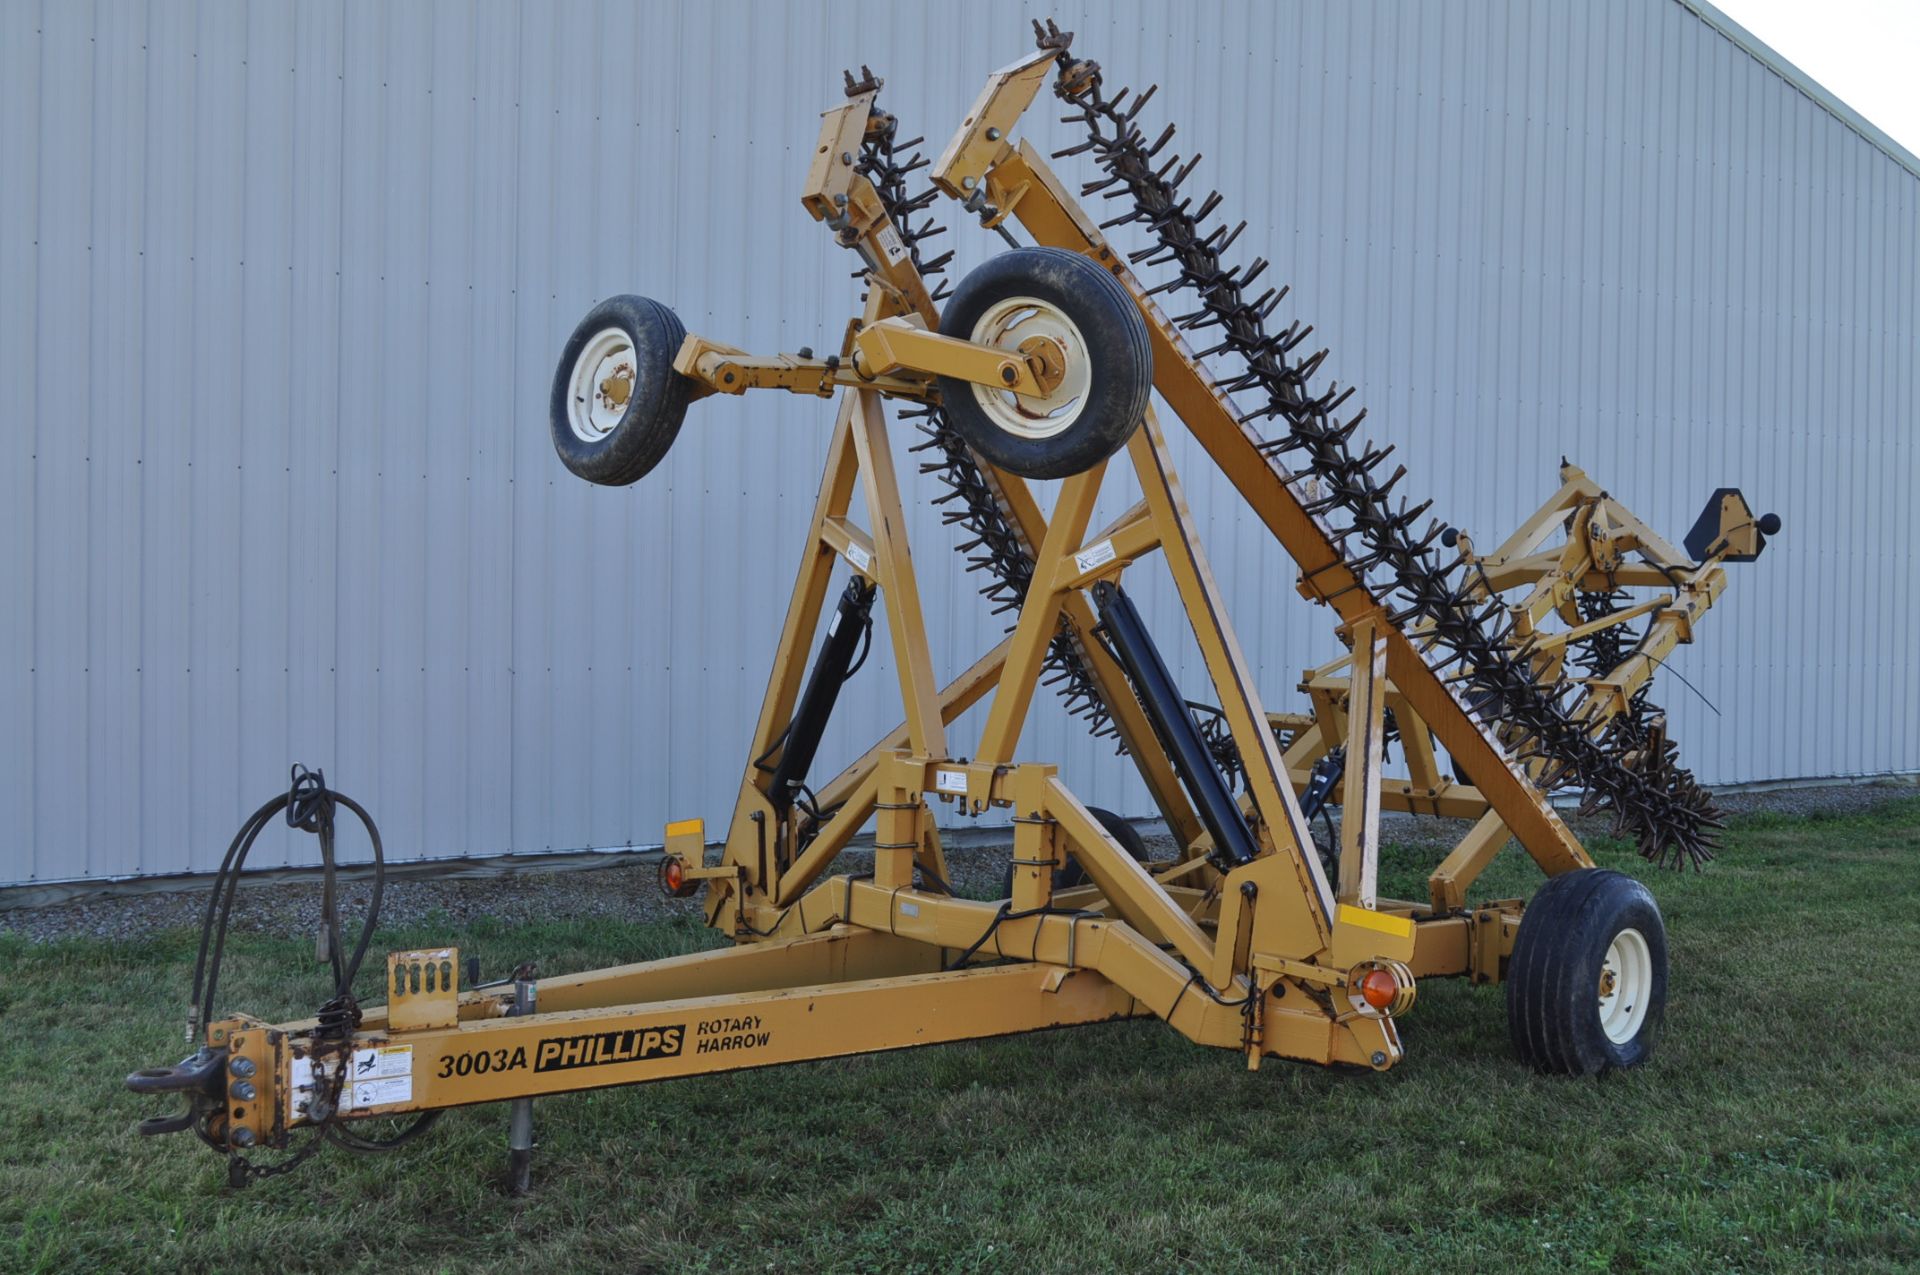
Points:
(559, 1053)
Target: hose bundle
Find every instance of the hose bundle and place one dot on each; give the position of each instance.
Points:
(309, 806)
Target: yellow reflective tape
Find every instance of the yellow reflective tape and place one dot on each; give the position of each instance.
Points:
(1385, 922)
(684, 827)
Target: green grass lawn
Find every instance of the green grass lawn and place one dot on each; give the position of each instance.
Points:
(1777, 1127)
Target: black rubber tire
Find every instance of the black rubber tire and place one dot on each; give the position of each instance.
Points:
(1073, 875)
(1553, 1009)
(1123, 831)
(1116, 336)
(655, 409)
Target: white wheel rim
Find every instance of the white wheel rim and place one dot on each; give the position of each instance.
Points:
(1007, 326)
(602, 383)
(1626, 986)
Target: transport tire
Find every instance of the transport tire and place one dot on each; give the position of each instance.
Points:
(1083, 321)
(1123, 831)
(1587, 984)
(1073, 875)
(617, 402)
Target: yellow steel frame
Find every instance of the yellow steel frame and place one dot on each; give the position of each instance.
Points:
(1605, 547)
(1260, 959)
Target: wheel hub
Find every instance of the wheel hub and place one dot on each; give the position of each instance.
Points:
(1625, 986)
(1047, 360)
(618, 388)
(1055, 350)
(601, 385)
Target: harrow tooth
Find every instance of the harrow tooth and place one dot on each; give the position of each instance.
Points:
(1218, 248)
(1407, 517)
(1435, 530)
(1337, 435)
(1330, 402)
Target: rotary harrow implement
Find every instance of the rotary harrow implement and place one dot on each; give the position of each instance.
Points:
(1527, 667)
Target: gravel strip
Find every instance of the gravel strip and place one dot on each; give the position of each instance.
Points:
(630, 891)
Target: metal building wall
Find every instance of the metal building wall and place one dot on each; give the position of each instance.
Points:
(281, 288)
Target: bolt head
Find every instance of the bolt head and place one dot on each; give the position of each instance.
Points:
(966, 183)
(1379, 1058)
(1008, 375)
(242, 1137)
(242, 1067)
(242, 1090)
(993, 134)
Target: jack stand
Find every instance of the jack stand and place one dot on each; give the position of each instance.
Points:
(520, 1114)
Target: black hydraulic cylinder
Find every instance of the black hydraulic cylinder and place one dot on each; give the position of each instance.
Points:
(1173, 725)
(1327, 772)
(831, 668)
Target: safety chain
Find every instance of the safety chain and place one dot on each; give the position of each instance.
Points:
(243, 1172)
(1666, 814)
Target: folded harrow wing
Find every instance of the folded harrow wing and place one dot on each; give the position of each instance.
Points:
(1041, 365)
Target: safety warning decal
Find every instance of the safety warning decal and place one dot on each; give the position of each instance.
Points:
(380, 1076)
(889, 241)
(1095, 556)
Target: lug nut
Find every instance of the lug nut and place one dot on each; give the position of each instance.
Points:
(242, 1067)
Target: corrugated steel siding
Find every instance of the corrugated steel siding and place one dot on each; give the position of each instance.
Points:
(283, 289)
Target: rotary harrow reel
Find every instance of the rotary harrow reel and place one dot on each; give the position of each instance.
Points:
(1042, 365)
